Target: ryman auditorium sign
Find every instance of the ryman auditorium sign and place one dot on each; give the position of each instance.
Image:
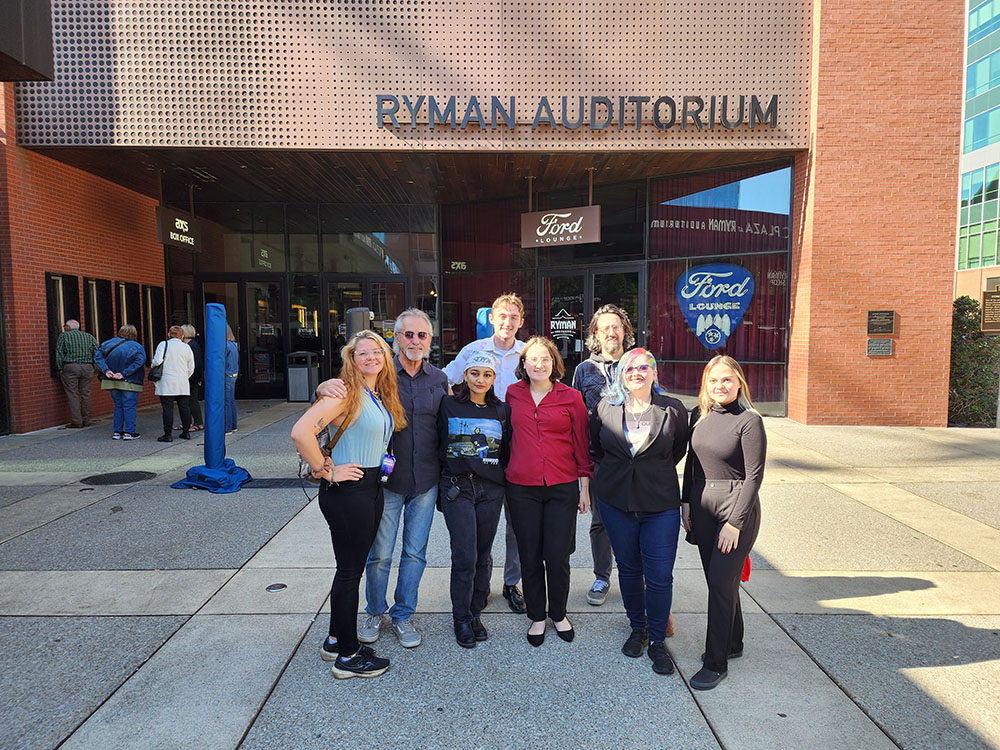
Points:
(666, 112)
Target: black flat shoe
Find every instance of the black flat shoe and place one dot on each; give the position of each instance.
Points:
(566, 635)
(706, 679)
(536, 640)
(479, 630)
(164, 439)
(464, 635)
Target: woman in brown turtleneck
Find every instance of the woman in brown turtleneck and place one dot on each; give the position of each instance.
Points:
(720, 506)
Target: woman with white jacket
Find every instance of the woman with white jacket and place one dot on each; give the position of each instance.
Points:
(174, 385)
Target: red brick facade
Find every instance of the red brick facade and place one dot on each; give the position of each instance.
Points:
(875, 201)
(48, 210)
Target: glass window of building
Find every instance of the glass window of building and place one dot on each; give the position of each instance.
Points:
(982, 130)
(248, 237)
(984, 19)
(303, 238)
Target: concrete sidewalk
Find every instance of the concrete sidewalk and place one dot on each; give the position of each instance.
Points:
(136, 616)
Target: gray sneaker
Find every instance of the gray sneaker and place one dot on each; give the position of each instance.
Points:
(369, 630)
(407, 634)
(598, 592)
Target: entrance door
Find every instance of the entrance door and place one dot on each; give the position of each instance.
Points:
(385, 297)
(568, 299)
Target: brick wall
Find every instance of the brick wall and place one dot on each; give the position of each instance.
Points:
(875, 209)
(57, 218)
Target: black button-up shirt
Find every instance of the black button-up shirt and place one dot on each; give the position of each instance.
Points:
(416, 445)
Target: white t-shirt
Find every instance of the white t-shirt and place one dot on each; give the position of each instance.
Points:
(507, 360)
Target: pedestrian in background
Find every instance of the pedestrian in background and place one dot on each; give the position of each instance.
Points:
(75, 362)
(174, 385)
(548, 481)
(194, 403)
(232, 370)
(351, 493)
(638, 434)
(121, 366)
(474, 430)
(721, 509)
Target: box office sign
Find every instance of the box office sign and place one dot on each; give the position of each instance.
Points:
(563, 226)
(714, 299)
(178, 229)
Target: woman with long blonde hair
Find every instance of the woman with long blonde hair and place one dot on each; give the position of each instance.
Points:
(350, 493)
(721, 508)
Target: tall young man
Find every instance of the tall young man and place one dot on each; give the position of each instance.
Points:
(507, 317)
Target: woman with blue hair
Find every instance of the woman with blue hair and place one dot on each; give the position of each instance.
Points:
(637, 436)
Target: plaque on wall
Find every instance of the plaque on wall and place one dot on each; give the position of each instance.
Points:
(881, 322)
(879, 347)
(991, 312)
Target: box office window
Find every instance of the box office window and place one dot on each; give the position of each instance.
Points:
(128, 306)
(62, 303)
(98, 308)
(154, 316)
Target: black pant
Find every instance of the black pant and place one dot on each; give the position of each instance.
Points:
(544, 520)
(353, 510)
(472, 516)
(722, 573)
(167, 404)
(194, 404)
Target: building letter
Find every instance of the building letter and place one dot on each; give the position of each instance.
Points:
(565, 118)
(543, 103)
(443, 117)
(508, 116)
(656, 113)
(770, 115)
(593, 112)
(638, 100)
(695, 115)
(473, 105)
(725, 113)
(382, 99)
(414, 108)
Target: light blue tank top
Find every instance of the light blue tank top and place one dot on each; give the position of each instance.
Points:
(364, 441)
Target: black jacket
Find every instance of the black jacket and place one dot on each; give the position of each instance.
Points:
(646, 482)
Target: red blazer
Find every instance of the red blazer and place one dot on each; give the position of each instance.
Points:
(550, 444)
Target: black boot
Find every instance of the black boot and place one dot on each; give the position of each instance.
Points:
(464, 635)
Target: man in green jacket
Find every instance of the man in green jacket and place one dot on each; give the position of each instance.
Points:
(75, 362)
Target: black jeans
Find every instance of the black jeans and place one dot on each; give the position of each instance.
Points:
(544, 521)
(722, 573)
(353, 511)
(194, 404)
(183, 406)
(472, 516)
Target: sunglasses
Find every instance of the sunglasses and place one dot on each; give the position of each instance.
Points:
(422, 335)
(638, 368)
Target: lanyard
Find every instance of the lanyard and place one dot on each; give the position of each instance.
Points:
(382, 410)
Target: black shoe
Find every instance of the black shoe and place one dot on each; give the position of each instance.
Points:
(706, 679)
(514, 599)
(730, 655)
(566, 635)
(362, 664)
(662, 664)
(164, 439)
(185, 436)
(464, 635)
(479, 630)
(636, 644)
(328, 652)
(536, 640)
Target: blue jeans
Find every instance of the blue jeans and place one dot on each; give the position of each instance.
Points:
(125, 405)
(417, 512)
(229, 408)
(645, 546)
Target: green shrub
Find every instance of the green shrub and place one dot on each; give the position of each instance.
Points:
(975, 368)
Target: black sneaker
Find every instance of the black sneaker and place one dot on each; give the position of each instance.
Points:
(706, 679)
(362, 664)
(328, 652)
(662, 664)
(514, 599)
(130, 436)
(635, 644)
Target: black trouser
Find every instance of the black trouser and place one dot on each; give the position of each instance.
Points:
(353, 510)
(722, 573)
(194, 404)
(544, 521)
(167, 404)
(472, 515)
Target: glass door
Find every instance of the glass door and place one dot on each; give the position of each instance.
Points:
(341, 296)
(385, 298)
(262, 365)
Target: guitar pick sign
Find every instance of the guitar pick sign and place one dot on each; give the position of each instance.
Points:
(714, 299)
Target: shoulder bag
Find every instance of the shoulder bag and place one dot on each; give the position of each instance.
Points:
(156, 371)
(326, 445)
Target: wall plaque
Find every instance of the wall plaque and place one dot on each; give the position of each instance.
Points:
(562, 226)
(879, 347)
(881, 322)
(991, 312)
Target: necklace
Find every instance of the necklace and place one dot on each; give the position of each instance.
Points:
(637, 418)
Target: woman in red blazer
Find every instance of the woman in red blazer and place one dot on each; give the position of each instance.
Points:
(548, 481)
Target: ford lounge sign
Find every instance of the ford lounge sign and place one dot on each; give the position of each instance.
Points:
(563, 226)
(714, 299)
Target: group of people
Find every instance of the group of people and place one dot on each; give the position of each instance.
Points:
(120, 363)
(497, 429)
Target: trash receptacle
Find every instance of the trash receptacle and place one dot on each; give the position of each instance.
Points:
(303, 375)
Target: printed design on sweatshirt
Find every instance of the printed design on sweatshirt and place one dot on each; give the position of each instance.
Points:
(474, 438)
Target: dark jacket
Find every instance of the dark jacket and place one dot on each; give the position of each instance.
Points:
(646, 482)
(591, 377)
(129, 359)
(199, 363)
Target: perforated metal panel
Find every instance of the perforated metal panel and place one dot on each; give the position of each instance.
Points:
(217, 74)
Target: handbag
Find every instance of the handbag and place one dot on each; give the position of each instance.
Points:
(156, 371)
(326, 445)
